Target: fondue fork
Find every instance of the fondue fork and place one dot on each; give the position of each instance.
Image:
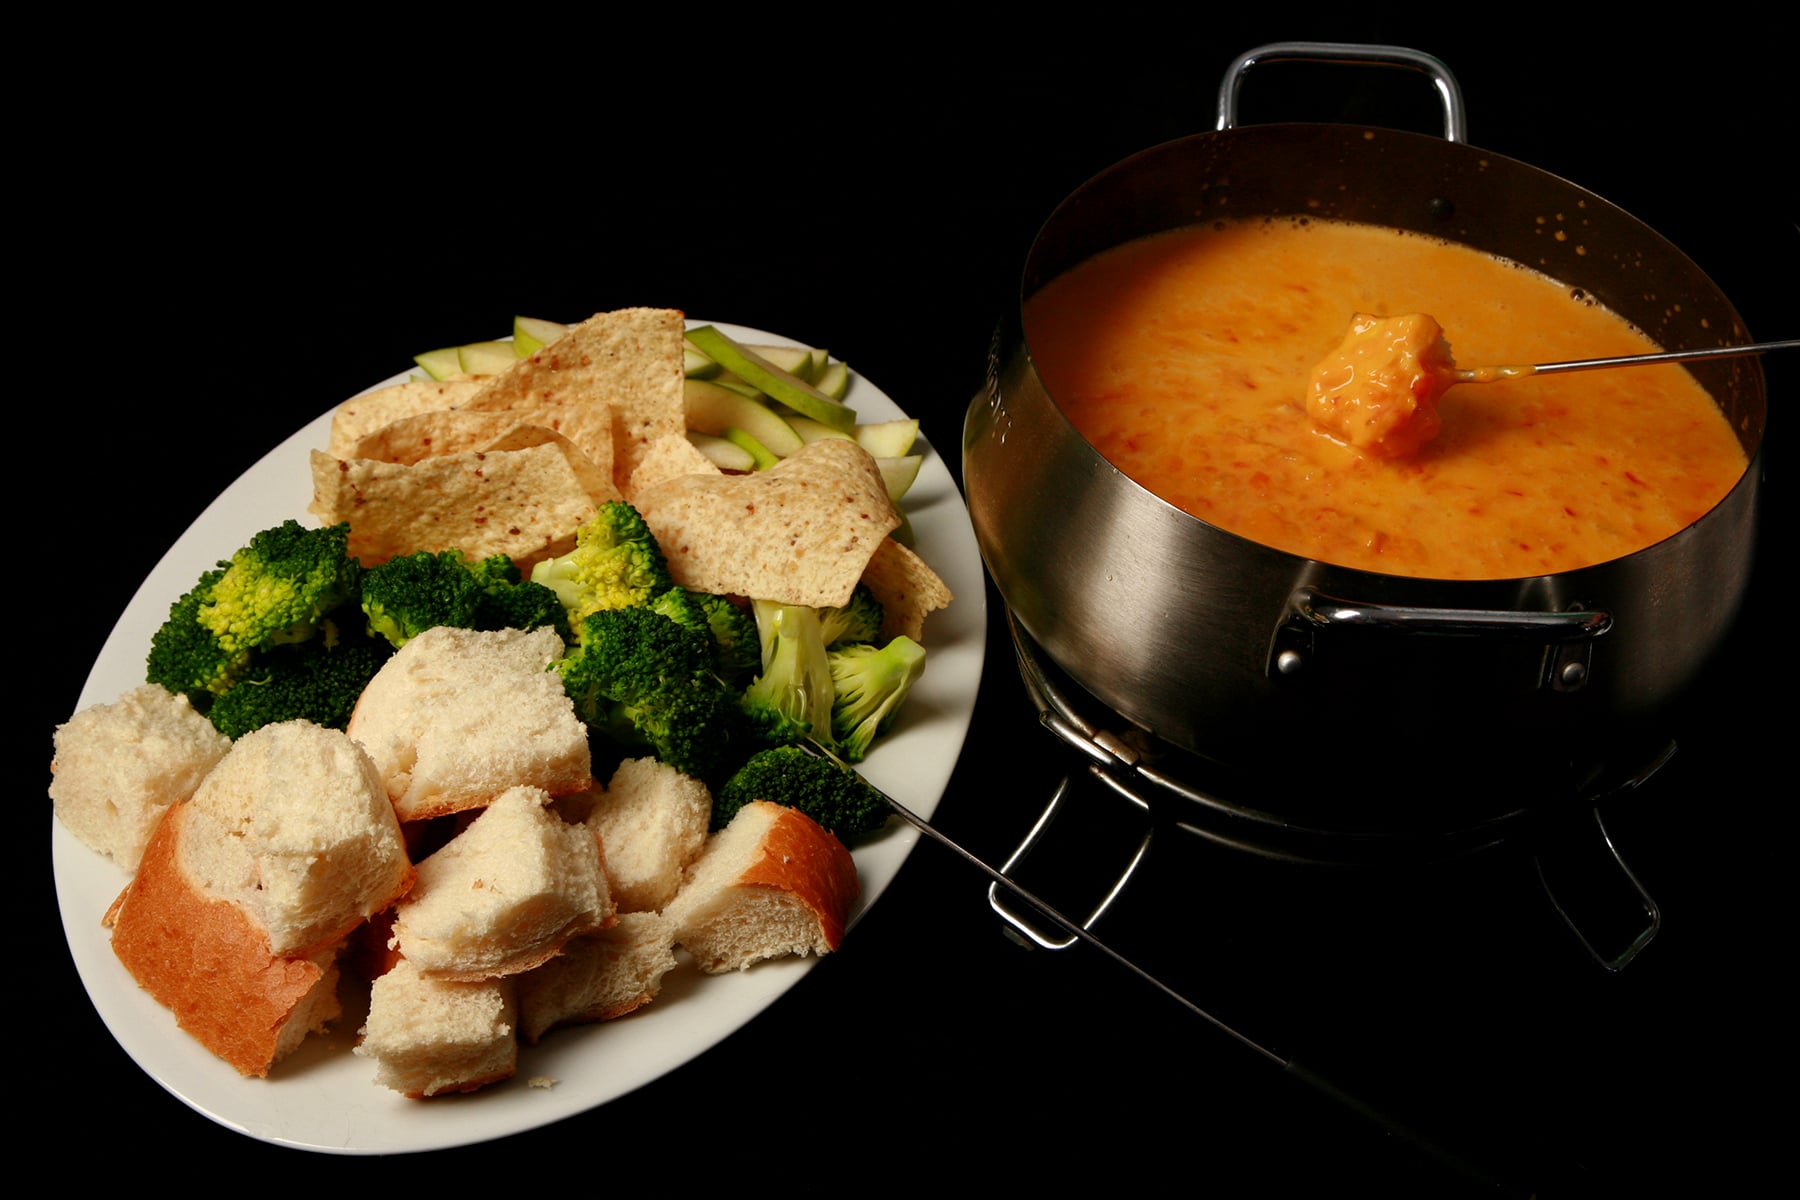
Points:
(1490, 374)
(1443, 1155)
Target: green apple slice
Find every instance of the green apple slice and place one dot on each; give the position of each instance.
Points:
(777, 384)
(531, 334)
(726, 379)
(833, 379)
(486, 358)
(759, 453)
(723, 454)
(441, 364)
(898, 474)
(695, 364)
(888, 439)
(811, 431)
(714, 409)
(795, 360)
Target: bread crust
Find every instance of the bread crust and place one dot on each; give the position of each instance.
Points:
(799, 857)
(209, 964)
(771, 883)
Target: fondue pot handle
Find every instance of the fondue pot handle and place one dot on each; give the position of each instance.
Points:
(1449, 93)
(1311, 612)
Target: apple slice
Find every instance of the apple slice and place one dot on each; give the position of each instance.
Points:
(760, 454)
(714, 409)
(888, 439)
(695, 364)
(833, 379)
(795, 360)
(486, 358)
(441, 364)
(811, 431)
(725, 455)
(777, 384)
(531, 334)
(898, 474)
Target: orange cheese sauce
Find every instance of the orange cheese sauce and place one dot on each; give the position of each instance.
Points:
(1185, 359)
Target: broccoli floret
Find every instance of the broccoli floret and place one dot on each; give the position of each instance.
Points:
(857, 621)
(510, 601)
(734, 634)
(828, 792)
(318, 680)
(870, 684)
(496, 571)
(638, 676)
(522, 605)
(185, 657)
(616, 563)
(737, 650)
(410, 593)
(275, 589)
(792, 695)
(682, 607)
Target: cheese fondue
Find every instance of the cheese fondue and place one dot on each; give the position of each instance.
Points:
(1185, 359)
(1380, 388)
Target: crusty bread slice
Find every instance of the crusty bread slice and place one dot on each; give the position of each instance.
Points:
(598, 977)
(245, 893)
(505, 893)
(429, 1036)
(773, 882)
(117, 767)
(652, 823)
(294, 827)
(457, 716)
(204, 958)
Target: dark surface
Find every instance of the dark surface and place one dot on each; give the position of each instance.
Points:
(243, 242)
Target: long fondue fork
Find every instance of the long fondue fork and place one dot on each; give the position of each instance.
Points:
(1443, 1155)
(1490, 374)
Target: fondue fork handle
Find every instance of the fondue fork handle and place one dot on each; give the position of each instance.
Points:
(1075, 929)
(1486, 374)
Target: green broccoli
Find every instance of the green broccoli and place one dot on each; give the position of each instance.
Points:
(857, 621)
(273, 591)
(616, 563)
(793, 692)
(869, 685)
(828, 792)
(522, 605)
(317, 680)
(185, 657)
(408, 594)
(645, 679)
(276, 588)
(737, 650)
(683, 607)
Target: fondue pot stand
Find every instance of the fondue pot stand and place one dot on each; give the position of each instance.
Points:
(1379, 704)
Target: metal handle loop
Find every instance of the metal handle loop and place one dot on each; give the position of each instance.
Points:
(1355, 54)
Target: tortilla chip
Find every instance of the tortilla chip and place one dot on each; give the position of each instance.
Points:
(667, 457)
(360, 416)
(596, 477)
(423, 435)
(629, 361)
(908, 589)
(523, 503)
(800, 532)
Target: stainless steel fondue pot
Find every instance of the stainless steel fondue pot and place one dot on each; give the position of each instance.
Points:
(1374, 700)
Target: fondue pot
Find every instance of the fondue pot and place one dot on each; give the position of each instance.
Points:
(1369, 701)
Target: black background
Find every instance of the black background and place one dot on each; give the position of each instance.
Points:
(237, 239)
